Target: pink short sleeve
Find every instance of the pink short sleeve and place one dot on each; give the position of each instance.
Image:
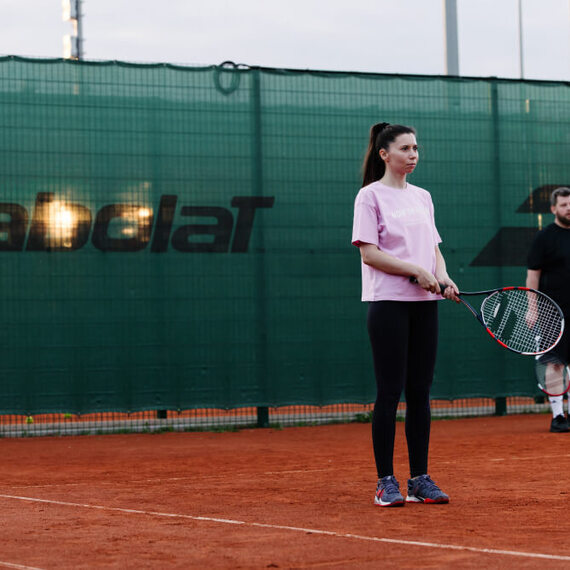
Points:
(366, 224)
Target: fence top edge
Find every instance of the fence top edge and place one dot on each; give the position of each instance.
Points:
(230, 67)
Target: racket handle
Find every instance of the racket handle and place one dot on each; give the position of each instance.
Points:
(441, 285)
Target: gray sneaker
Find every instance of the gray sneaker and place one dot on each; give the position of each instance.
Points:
(422, 489)
(388, 493)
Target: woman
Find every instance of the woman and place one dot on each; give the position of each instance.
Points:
(394, 229)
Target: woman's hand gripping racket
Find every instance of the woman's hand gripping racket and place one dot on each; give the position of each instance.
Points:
(523, 320)
(552, 375)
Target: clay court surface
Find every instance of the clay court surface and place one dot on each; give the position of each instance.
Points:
(290, 498)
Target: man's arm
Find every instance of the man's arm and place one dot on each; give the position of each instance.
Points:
(533, 278)
(532, 281)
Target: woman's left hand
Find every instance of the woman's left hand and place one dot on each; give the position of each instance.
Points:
(451, 290)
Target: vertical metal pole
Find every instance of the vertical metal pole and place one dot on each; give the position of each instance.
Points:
(451, 38)
(79, 31)
(260, 289)
(500, 401)
(496, 158)
(501, 406)
(521, 51)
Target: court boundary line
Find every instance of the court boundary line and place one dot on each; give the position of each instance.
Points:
(17, 566)
(402, 542)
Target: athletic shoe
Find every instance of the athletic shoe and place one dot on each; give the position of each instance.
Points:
(422, 489)
(559, 425)
(388, 493)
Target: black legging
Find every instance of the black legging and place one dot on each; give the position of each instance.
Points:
(403, 336)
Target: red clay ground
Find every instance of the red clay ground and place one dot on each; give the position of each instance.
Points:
(302, 498)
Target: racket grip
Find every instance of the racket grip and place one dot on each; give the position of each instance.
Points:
(441, 285)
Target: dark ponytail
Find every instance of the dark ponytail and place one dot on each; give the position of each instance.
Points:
(381, 135)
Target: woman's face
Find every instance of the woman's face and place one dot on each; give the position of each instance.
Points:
(402, 154)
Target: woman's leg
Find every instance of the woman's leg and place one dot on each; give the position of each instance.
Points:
(388, 332)
(421, 364)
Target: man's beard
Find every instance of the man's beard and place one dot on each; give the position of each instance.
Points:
(563, 220)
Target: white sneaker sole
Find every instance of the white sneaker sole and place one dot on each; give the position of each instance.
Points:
(381, 503)
(414, 499)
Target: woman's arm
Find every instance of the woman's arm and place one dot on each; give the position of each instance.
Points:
(376, 258)
(451, 291)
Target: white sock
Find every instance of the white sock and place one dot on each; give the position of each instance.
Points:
(556, 403)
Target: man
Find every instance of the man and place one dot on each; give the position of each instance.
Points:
(549, 272)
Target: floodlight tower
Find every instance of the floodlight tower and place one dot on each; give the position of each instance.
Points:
(73, 43)
(451, 41)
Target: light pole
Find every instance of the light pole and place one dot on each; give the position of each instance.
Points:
(521, 52)
(73, 43)
(451, 41)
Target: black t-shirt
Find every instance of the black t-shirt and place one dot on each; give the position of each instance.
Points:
(550, 252)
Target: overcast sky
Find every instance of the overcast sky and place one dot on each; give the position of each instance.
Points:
(384, 36)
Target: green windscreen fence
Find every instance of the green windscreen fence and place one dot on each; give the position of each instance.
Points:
(175, 237)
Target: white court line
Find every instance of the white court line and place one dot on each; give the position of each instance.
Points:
(19, 566)
(298, 529)
(530, 457)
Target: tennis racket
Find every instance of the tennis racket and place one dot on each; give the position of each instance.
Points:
(552, 374)
(523, 320)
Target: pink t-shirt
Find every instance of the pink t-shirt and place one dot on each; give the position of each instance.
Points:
(400, 222)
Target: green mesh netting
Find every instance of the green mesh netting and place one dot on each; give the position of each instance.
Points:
(175, 238)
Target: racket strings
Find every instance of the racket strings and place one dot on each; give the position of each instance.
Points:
(525, 321)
